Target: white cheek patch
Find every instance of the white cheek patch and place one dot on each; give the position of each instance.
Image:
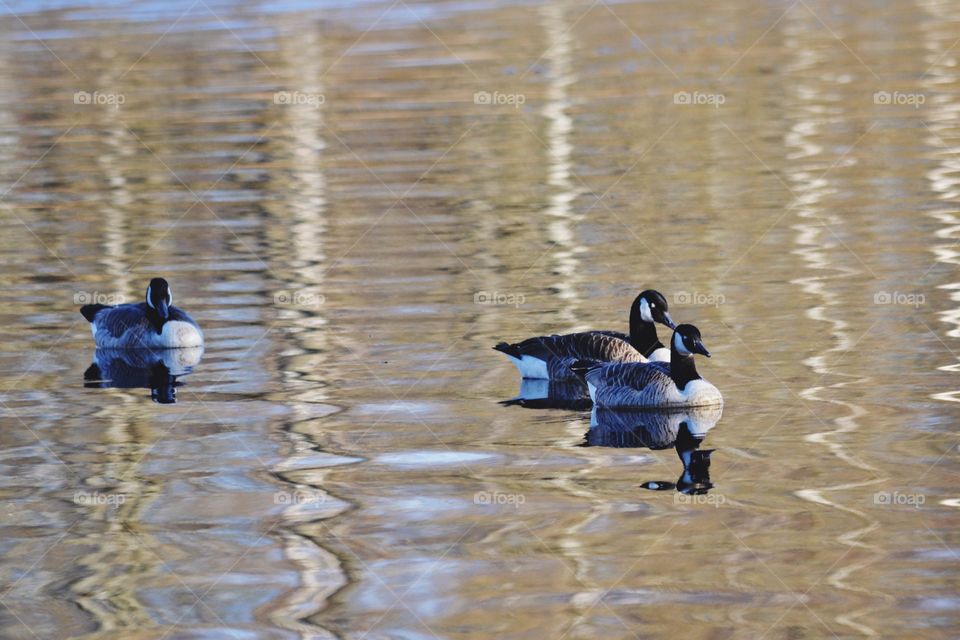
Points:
(645, 314)
(169, 297)
(149, 303)
(679, 346)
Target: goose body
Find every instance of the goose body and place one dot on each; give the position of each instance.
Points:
(656, 384)
(152, 324)
(551, 357)
(656, 353)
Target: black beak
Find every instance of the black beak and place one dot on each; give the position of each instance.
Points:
(163, 309)
(699, 348)
(667, 320)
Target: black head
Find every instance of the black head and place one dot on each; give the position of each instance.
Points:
(686, 341)
(159, 299)
(651, 306)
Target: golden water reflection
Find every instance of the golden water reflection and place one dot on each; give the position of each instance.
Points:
(330, 201)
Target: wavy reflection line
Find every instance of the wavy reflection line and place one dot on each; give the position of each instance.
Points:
(810, 186)
(941, 115)
(298, 254)
(111, 597)
(561, 230)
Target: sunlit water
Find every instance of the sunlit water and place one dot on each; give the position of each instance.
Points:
(356, 202)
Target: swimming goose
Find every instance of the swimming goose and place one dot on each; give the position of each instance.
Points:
(654, 384)
(550, 357)
(153, 324)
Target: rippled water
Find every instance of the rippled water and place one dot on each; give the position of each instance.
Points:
(354, 228)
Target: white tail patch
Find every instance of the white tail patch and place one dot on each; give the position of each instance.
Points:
(177, 334)
(530, 367)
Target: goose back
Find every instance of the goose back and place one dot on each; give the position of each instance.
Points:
(552, 356)
(128, 326)
(646, 385)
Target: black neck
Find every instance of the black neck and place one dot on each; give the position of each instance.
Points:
(643, 335)
(155, 320)
(682, 368)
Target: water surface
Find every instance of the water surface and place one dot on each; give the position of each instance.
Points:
(356, 200)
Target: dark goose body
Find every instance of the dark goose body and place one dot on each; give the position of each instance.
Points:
(656, 384)
(152, 324)
(551, 357)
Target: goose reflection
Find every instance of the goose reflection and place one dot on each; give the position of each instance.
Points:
(683, 430)
(551, 394)
(142, 369)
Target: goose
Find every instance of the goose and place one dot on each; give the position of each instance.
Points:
(654, 384)
(152, 324)
(550, 357)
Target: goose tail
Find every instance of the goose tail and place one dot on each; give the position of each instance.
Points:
(90, 311)
(511, 350)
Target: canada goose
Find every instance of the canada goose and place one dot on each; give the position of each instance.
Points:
(550, 357)
(654, 384)
(152, 324)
